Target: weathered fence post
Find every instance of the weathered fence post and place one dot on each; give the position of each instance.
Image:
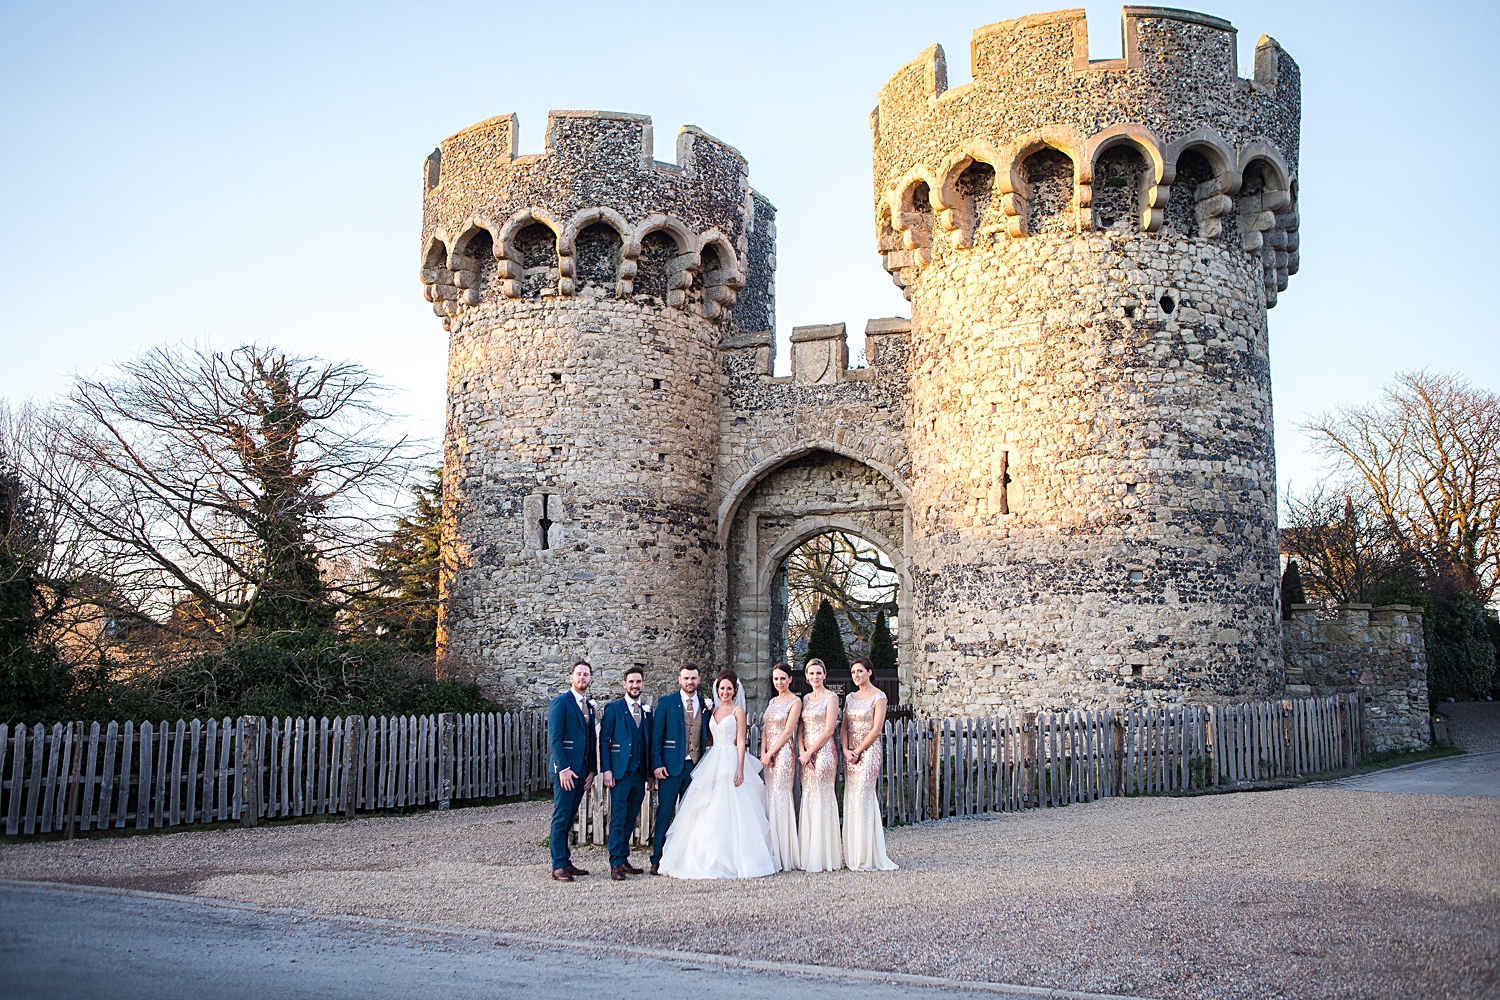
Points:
(354, 742)
(934, 764)
(75, 730)
(249, 792)
(1030, 768)
(445, 759)
(1117, 743)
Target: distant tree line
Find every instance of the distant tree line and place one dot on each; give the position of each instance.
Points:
(217, 533)
(1411, 515)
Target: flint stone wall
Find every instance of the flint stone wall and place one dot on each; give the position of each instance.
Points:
(1378, 652)
(1067, 449)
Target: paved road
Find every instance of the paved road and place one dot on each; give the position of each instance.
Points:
(1471, 774)
(61, 943)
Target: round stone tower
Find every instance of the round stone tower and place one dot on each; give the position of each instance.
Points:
(585, 290)
(1090, 249)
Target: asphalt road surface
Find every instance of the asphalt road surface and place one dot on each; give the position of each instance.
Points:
(60, 943)
(1471, 774)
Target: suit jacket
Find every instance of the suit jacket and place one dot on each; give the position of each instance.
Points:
(624, 747)
(669, 732)
(571, 735)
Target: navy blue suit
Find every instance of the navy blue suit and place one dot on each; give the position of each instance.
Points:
(625, 749)
(669, 750)
(570, 732)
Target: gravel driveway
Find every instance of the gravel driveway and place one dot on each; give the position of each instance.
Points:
(1308, 892)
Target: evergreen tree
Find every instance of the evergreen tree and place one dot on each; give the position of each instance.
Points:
(882, 649)
(826, 642)
(34, 683)
(407, 563)
(1291, 589)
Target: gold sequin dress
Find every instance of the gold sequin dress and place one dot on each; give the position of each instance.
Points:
(864, 837)
(818, 829)
(780, 808)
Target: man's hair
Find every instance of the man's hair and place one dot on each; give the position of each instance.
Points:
(863, 662)
(636, 669)
(581, 663)
(689, 666)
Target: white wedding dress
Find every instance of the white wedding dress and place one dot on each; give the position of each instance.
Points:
(721, 831)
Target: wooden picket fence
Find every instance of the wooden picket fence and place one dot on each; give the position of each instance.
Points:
(963, 767)
(72, 778)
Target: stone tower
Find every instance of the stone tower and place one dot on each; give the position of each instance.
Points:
(1065, 453)
(585, 290)
(1090, 249)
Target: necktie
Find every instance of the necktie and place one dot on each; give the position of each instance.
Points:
(635, 712)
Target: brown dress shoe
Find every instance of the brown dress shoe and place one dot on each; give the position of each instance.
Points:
(617, 873)
(631, 869)
(655, 866)
(573, 871)
(561, 874)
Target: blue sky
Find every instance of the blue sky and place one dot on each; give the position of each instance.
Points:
(217, 173)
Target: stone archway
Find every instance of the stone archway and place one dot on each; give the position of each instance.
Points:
(803, 497)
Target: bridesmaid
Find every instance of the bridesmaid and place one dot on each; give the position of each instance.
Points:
(864, 720)
(818, 833)
(779, 758)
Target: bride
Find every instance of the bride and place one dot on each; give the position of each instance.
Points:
(721, 829)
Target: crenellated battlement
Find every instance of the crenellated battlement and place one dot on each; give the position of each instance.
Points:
(1045, 141)
(593, 213)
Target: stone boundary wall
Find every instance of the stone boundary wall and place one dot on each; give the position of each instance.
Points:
(1378, 651)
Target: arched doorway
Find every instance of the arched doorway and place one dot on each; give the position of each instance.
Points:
(858, 582)
(804, 497)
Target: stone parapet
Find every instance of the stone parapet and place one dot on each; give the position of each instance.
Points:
(1377, 651)
(1169, 138)
(690, 233)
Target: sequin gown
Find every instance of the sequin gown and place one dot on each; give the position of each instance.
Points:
(818, 830)
(864, 838)
(780, 808)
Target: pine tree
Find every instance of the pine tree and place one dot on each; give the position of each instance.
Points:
(406, 566)
(882, 649)
(827, 643)
(1291, 589)
(34, 683)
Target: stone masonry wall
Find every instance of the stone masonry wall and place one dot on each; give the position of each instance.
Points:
(1067, 449)
(1093, 493)
(1092, 470)
(1378, 652)
(582, 438)
(599, 407)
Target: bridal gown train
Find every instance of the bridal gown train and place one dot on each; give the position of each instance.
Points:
(721, 831)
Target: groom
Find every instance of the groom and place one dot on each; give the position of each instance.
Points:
(625, 766)
(679, 735)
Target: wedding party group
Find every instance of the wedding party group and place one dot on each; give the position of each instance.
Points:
(722, 813)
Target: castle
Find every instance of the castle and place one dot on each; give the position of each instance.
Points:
(1066, 452)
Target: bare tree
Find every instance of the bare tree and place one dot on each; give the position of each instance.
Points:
(1343, 545)
(1427, 455)
(853, 575)
(217, 485)
(72, 580)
